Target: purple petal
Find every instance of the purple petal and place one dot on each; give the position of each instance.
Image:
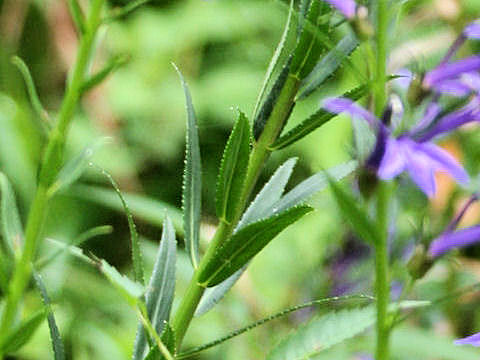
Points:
(445, 162)
(346, 7)
(393, 161)
(457, 239)
(453, 87)
(422, 174)
(431, 113)
(472, 80)
(339, 105)
(472, 30)
(451, 70)
(469, 113)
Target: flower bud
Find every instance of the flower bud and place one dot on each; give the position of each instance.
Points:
(419, 263)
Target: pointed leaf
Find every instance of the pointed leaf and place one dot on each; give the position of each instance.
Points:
(242, 246)
(75, 167)
(322, 332)
(314, 121)
(214, 294)
(263, 204)
(130, 290)
(192, 180)
(314, 184)
(22, 333)
(57, 344)
(268, 105)
(135, 242)
(310, 45)
(111, 66)
(233, 169)
(161, 288)
(356, 216)
(11, 227)
(168, 338)
(278, 55)
(327, 66)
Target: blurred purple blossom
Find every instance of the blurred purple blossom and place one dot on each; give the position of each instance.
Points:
(346, 7)
(394, 155)
(450, 239)
(469, 340)
(472, 30)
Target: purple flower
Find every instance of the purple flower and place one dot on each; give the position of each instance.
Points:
(458, 78)
(451, 239)
(346, 7)
(394, 155)
(469, 340)
(472, 30)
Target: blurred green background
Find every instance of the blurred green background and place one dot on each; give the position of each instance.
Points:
(223, 48)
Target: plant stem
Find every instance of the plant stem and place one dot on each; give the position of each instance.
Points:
(382, 288)
(49, 168)
(260, 153)
(142, 313)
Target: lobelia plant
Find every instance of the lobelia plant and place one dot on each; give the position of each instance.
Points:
(248, 221)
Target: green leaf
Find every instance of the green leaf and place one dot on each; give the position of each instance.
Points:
(73, 250)
(136, 253)
(242, 246)
(327, 66)
(78, 16)
(314, 121)
(57, 344)
(356, 215)
(268, 105)
(75, 167)
(263, 204)
(11, 227)
(150, 210)
(161, 288)
(233, 169)
(168, 338)
(278, 55)
(322, 332)
(192, 180)
(33, 95)
(314, 184)
(310, 46)
(214, 294)
(130, 290)
(111, 66)
(22, 333)
(87, 235)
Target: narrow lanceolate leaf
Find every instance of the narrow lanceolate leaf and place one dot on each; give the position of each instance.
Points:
(192, 180)
(327, 66)
(314, 121)
(130, 290)
(242, 246)
(161, 288)
(356, 215)
(135, 242)
(314, 184)
(214, 294)
(323, 332)
(268, 105)
(22, 333)
(75, 167)
(57, 344)
(276, 60)
(32, 93)
(111, 66)
(262, 207)
(233, 169)
(11, 227)
(263, 204)
(310, 45)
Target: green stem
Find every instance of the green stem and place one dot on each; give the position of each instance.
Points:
(260, 153)
(49, 168)
(381, 47)
(142, 313)
(382, 288)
